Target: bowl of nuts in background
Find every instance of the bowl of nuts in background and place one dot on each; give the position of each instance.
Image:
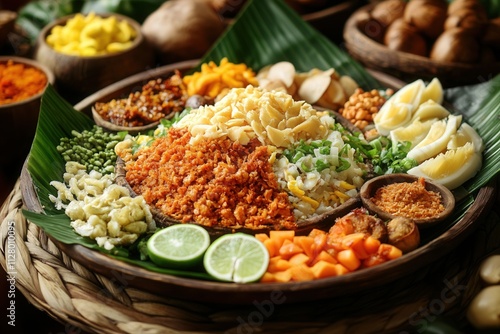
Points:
(87, 52)
(456, 41)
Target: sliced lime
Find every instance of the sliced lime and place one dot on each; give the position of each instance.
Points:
(178, 246)
(238, 257)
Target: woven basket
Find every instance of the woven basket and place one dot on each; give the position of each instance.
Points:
(76, 296)
(407, 66)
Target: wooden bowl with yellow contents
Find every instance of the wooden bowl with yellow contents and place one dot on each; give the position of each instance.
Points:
(425, 202)
(79, 71)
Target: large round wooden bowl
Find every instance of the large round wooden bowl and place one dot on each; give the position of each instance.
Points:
(79, 76)
(19, 119)
(436, 244)
(165, 284)
(404, 65)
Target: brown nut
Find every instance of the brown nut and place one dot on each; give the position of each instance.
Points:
(456, 46)
(466, 4)
(401, 36)
(467, 19)
(427, 16)
(386, 12)
(403, 233)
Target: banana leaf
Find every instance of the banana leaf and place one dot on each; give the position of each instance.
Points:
(264, 32)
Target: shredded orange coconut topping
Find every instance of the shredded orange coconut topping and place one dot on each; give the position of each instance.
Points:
(214, 182)
(18, 82)
(409, 200)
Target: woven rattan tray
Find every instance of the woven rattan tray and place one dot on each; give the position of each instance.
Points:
(76, 296)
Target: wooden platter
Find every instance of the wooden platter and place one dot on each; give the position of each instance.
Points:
(436, 245)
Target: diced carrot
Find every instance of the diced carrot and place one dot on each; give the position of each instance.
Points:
(280, 236)
(283, 276)
(389, 252)
(277, 264)
(341, 270)
(355, 242)
(373, 260)
(307, 244)
(324, 256)
(348, 259)
(324, 269)
(299, 258)
(261, 237)
(301, 273)
(352, 239)
(341, 227)
(320, 242)
(371, 245)
(314, 232)
(267, 278)
(271, 247)
(288, 249)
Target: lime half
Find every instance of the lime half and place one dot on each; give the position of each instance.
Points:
(178, 246)
(238, 257)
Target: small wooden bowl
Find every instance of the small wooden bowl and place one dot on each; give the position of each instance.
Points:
(329, 21)
(369, 188)
(407, 66)
(117, 128)
(79, 76)
(19, 119)
(7, 22)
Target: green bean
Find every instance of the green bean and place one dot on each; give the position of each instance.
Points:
(94, 148)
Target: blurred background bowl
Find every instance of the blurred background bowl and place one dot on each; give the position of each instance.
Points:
(18, 120)
(373, 53)
(330, 20)
(7, 23)
(79, 76)
(326, 16)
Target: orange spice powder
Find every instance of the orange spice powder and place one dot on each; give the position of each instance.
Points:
(19, 82)
(409, 199)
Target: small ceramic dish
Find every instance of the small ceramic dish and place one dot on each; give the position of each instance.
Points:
(370, 187)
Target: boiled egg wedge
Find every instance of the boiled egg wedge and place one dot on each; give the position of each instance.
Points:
(430, 109)
(433, 91)
(437, 139)
(414, 133)
(398, 109)
(452, 168)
